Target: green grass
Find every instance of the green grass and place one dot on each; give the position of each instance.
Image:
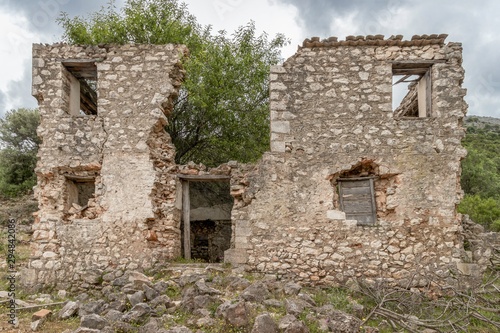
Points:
(174, 293)
(338, 297)
(313, 325)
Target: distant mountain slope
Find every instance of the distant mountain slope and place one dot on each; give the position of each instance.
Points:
(481, 122)
(481, 171)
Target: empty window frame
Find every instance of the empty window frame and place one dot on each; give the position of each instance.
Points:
(82, 86)
(80, 190)
(357, 199)
(411, 89)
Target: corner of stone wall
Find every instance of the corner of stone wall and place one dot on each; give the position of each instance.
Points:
(481, 250)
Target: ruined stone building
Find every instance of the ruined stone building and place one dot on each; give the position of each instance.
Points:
(351, 187)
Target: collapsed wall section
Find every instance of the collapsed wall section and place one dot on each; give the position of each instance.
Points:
(331, 113)
(106, 197)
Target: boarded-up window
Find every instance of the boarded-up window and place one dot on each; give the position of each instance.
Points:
(357, 200)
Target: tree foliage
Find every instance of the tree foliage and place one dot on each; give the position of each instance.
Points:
(481, 174)
(222, 111)
(19, 144)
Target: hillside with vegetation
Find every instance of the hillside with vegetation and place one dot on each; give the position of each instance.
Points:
(481, 172)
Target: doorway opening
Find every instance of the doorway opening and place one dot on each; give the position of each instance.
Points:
(206, 217)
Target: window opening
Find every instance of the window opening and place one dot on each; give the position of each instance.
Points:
(80, 190)
(411, 89)
(357, 199)
(83, 86)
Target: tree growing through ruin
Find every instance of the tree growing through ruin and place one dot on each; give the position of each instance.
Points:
(222, 111)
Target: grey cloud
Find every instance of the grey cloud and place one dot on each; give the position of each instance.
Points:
(42, 14)
(2, 104)
(18, 92)
(316, 16)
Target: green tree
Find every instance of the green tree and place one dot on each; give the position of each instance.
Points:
(485, 211)
(222, 111)
(19, 144)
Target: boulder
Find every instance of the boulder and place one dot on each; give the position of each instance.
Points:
(204, 301)
(308, 299)
(161, 287)
(273, 302)
(237, 314)
(264, 323)
(201, 313)
(161, 300)
(221, 309)
(290, 324)
(203, 289)
(256, 292)
(107, 291)
(294, 306)
(113, 316)
(92, 307)
(119, 305)
(357, 309)
(205, 322)
(238, 283)
(93, 321)
(68, 310)
(120, 282)
(150, 293)
(151, 326)
(138, 313)
(342, 322)
(82, 297)
(136, 298)
(292, 288)
(190, 278)
(37, 324)
(138, 280)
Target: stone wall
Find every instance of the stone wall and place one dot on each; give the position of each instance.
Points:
(331, 117)
(133, 220)
(331, 122)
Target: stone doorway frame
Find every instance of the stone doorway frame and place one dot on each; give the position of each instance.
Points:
(186, 215)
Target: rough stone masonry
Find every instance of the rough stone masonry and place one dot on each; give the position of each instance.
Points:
(105, 191)
(349, 188)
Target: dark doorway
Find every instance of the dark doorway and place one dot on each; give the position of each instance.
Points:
(208, 205)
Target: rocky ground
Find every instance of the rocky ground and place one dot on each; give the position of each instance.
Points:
(198, 297)
(215, 300)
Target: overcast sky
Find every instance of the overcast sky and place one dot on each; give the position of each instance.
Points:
(473, 23)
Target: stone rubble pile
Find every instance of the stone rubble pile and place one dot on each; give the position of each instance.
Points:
(133, 303)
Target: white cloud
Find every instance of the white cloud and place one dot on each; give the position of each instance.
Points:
(269, 17)
(15, 46)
